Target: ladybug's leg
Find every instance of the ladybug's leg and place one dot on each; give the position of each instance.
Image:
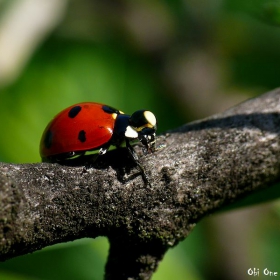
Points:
(135, 158)
(103, 150)
(93, 158)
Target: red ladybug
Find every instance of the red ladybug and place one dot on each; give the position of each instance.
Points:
(93, 126)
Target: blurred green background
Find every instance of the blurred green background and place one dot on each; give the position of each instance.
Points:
(183, 60)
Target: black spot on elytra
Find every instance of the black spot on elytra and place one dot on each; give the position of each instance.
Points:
(48, 139)
(74, 111)
(110, 110)
(82, 136)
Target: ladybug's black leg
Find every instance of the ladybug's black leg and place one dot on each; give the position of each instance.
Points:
(135, 158)
(93, 158)
(103, 150)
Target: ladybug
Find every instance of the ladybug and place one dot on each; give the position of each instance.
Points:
(90, 126)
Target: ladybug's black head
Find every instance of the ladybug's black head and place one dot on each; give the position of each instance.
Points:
(144, 124)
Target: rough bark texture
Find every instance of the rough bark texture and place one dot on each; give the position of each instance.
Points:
(203, 166)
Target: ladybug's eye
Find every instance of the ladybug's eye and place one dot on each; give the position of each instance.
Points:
(147, 131)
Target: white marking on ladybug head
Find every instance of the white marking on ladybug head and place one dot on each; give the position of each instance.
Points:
(150, 117)
(130, 132)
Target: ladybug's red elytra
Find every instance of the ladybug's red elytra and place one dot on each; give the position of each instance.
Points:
(92, 126)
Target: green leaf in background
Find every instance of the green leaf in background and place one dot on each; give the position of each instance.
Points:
(271, 12)
(81, 259)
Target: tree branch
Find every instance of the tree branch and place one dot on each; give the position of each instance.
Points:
(204, 165)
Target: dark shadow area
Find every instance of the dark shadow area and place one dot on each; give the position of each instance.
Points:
(118, 159)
